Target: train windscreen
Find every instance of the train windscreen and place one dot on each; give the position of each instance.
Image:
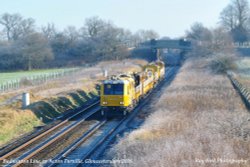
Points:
(113, 89)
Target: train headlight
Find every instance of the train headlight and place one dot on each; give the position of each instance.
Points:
(121, 102)
(104, 102)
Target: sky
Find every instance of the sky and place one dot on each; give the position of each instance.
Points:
(167, 17)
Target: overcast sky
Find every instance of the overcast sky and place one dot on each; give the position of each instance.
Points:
(168, 17)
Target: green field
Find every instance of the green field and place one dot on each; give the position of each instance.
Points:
(10, 76)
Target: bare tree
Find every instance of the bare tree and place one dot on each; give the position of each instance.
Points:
(34, 50)
(10, 22)
(93, 27)
(105, 40)
(207, 42)
(228, 18)
(222, 41)
(198, 32)
(25, 27)
(49, 30)
(15, 26)
(146, 35)
(235, 18)
(236, 14)
(201, 38)
(72, 33)
(242, 11)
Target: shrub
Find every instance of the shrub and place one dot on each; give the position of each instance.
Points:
(222, 63)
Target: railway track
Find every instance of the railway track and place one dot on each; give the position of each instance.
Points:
(43, 140)
(82, 146)
(241, 89)
(99, 151)
(88, 145)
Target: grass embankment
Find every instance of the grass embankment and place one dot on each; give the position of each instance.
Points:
(14, 121)
(54, 98)
(10, 76)
(199, 120)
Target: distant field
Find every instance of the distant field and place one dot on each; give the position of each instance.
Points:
(244, 63)
(10, 76)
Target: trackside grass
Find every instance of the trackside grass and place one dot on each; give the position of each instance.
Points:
(53, 98)
(199, 120)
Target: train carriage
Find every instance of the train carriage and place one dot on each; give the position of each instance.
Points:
(161, 71)
(120, 94)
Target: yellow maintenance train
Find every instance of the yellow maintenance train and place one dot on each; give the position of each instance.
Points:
(120, 94)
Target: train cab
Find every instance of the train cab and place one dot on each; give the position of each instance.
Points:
(120, 94)
(117, 95)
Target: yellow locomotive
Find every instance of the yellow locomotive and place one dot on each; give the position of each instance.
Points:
(120, 94)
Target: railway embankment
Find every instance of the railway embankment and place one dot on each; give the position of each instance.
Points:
(199, 120)
(54, 98)
(242, 89)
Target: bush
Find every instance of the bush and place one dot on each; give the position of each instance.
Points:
(222, 63)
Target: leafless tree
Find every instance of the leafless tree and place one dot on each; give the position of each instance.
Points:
(72, 33)
(242, 11)
(15, 26)
(25, 27)
(222, 40)
(207, 42)
(49, 30)
(146, 35)
(34, 50)
(228, 18)
(105, 40)
(198, 32)
(93, 27)
(10, 22)
(235, 18)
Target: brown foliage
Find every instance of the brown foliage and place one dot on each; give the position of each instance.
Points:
(200, 120)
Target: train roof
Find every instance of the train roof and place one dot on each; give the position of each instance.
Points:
(120, 79)
(116, 81)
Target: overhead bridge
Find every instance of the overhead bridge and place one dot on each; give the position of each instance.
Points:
(181, 44)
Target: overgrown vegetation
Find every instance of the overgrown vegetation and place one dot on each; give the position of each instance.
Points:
(219, 43)
(199, 120)
(223, 63)
(214, 44)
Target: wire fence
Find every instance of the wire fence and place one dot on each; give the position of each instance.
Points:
(243, 90)
(35, 79)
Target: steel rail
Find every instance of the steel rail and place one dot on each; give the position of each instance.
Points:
(67, 129)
